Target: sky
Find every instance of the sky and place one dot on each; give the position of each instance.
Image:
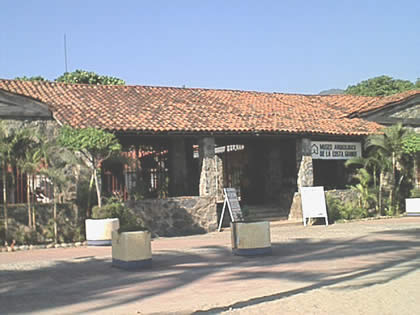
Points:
(282, 46)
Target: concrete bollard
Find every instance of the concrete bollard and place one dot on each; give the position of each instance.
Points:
(251, 238)
(132, 250)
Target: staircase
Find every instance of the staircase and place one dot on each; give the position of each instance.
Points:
(264, 213)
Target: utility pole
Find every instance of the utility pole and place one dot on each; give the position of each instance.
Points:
(65, 52)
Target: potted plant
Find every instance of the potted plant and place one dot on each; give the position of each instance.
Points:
(131, 243)
(104, 221)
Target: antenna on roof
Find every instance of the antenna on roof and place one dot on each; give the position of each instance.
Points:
(65, 51)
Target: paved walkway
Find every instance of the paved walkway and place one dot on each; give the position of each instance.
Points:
(316, 270)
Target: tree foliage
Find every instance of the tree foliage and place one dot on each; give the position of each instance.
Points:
(86, 77)
(79, 76)
(411, 143)
(34, 78)
(391, 155)
(99, 144)
(94, 144)
(381, 86)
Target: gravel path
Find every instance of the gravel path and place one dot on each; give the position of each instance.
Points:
(365, 267)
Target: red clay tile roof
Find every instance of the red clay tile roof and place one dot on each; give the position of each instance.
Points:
(164, 109)
(386, 101)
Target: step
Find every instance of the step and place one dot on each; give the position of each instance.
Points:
(267, 213)
(271, 219)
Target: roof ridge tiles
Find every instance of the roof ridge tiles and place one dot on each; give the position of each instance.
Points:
(204, 89)
(63, 84)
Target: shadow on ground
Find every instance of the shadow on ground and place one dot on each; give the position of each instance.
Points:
(95, 281)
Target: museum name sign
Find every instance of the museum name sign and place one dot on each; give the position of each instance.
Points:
(332, 150)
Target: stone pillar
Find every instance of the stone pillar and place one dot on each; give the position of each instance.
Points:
(211, 174)
(178, 181)
(304, 163)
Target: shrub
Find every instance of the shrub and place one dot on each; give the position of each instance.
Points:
(339, 210)
(333, 207)
(415, 193)
(116, 209)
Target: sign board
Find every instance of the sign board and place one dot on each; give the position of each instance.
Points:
(412, 206)
(333, 150)
(313, 203)
(232, 203)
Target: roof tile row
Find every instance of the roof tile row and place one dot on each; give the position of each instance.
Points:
(167, 109)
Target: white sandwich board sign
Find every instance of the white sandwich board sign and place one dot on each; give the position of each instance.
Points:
(313, 203)
(232, 203)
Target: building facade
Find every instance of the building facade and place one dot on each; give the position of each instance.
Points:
(190, 143)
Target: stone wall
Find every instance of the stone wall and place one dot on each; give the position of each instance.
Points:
(47, 128)
(344, 195)
(177, 216)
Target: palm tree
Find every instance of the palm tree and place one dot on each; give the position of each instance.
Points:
(362, 188)
(5, 149)
(389, 146)
(57, 166)
(30, 164)
(12, 144)
(376, 163)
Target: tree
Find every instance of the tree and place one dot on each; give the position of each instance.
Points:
(34, 78)
(381, 86)
(29, 161)
(390, 146)
(365, 195)
(411, 143)
(58, 163)
(13, 145)
(30, 164)
(5, 149)
(391, 154)
(85, 77)
(95, 145)
(374, 162)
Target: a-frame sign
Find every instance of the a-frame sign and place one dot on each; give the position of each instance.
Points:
(232, 203)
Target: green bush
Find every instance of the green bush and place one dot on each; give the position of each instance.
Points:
(415, 193)
(338, 210)
(333, 206)
(116, 209)
(68, 229)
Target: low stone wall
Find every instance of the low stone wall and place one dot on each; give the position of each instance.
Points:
(344, 195)
(177, 215)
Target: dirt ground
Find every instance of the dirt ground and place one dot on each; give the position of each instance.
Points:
(365, 267)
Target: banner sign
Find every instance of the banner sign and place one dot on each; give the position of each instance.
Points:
(332, 150)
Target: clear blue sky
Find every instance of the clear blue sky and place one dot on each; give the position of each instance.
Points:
(284, 46)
